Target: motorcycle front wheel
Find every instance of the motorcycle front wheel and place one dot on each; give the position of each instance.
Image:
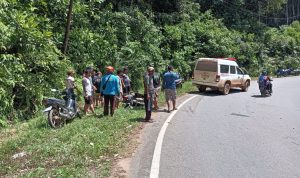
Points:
(54, 119)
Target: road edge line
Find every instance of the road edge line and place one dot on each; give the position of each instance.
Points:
(157, 151)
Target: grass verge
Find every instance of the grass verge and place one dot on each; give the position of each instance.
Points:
(83, 148)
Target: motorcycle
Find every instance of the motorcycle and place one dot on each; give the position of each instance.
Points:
(265, 87)
(284, 72)
(133, 99)
(60, 111)
(179, 83)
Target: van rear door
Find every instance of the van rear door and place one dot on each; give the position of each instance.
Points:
(206, 71)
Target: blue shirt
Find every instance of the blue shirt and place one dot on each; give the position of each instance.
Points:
(261, 78)
(112, 85)
(170, 80)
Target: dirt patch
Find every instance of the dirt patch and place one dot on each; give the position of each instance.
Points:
(121, 163)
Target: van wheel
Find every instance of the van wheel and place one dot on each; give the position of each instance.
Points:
(202, 88)
(245, 88)
(226, 88)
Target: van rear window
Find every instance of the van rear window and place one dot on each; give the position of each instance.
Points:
(209, 66)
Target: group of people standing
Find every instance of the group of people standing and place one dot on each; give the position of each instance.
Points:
(104, 90)
(111, 88)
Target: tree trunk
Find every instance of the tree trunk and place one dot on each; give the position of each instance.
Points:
(298, 10)
(287, 13)
(67, 32)
(293, 9)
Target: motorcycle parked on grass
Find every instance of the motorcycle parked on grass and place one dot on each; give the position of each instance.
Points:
(59, 111)
(133, 99)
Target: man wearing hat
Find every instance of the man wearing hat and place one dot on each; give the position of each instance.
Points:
(149, 92)
(109, 88)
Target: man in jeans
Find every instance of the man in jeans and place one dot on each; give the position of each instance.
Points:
(110, 87)
(149, 92)
(169, 84)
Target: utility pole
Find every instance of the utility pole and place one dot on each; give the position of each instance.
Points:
(67, 31)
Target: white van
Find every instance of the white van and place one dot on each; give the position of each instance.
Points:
(221, 74)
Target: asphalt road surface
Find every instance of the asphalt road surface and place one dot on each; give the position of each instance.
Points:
(238, 135)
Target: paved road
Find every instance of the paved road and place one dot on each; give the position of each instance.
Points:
(238, 135)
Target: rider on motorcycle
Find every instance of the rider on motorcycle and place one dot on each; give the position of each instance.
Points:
(265, 81)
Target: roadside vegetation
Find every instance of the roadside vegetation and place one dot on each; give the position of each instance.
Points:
(85, 147)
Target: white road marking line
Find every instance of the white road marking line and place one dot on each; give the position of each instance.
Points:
(157, 151)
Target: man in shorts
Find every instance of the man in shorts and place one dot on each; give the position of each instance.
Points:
(97, 95)
(87, 92)
(169, 85)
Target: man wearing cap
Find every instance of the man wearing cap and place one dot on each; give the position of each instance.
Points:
(109, 88)
(149, 92)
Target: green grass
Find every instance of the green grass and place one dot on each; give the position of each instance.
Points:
(83, 145)
(82, 148)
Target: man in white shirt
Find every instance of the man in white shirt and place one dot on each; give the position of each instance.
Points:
(87, 92)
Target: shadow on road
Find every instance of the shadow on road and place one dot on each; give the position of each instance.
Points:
(160, 110)
(213, 93)
(258, 96)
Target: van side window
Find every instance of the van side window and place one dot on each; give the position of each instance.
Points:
(239, 71)
(232, 70)
(224, 69)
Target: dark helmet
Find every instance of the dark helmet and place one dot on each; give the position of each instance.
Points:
(264, 72)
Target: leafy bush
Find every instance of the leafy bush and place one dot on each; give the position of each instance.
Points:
(29, 64)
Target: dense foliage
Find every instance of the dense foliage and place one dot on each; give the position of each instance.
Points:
(130, 33)
(29, 60)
